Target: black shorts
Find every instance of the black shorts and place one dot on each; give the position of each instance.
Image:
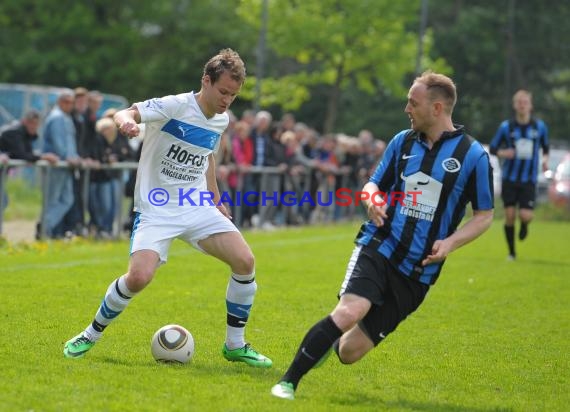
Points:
(393, 295)
(518, 194)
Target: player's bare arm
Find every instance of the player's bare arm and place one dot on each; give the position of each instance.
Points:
(127, 121)
(471, 230)
(376, 212)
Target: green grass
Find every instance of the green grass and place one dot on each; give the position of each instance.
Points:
(492, 335)
(25, 201)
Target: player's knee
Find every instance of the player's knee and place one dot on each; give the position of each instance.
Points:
(244, 264)
(345, 316)
(138, 278)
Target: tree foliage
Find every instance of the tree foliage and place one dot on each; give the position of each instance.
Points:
(498, 47)
(365, 44)
(340, 65)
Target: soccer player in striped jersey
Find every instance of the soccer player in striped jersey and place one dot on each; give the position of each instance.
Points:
(518, 142)
(177, 196)
(428, 175)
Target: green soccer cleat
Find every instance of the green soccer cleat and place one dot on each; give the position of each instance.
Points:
(77, 347)
(284, 390)
(248, 355)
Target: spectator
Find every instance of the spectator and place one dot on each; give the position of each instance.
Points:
(261, 141)
(242, 151)
(59, 138)
(17, 139)
(73, 223)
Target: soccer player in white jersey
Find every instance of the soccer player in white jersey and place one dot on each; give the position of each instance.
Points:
(177, 196)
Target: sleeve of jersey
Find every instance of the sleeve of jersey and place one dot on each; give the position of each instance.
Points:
(480, 186)
(158, 108)
(500, 138)
(384, 175)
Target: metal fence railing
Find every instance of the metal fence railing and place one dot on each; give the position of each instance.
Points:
(296, 188)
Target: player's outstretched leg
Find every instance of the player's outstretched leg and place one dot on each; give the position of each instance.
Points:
(239, 299)
(116, 300)
(314, 347)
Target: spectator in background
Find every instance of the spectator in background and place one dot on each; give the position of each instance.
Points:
(73, 223)
(104, 187)
(78, 115)
(116, 149)
(16, 142)
(518, 142)
(109, 112)
(248, 116)
(242, 152)
(287, 123)
(17, 139)
(59, 138)
(327, 167)
(94, 102)
(224, 161)
(271, 182)
(261, 138)
(293, 180)
(367, 160)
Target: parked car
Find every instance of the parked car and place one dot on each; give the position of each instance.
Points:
(555, 156)
(559, 188)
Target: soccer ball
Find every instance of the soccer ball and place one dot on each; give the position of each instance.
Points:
(172, 344)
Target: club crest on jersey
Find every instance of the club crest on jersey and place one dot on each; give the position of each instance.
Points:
(155, 103)
(451, 165)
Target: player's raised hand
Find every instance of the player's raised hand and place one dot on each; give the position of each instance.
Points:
(129, 128)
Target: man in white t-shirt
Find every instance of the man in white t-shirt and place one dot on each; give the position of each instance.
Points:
(176, 196)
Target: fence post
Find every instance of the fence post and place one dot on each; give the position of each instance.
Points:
(3, 172)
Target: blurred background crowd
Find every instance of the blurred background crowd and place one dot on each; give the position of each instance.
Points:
(84, 184)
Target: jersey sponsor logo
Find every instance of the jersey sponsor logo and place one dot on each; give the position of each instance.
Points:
(406, 157)
(451, 165)
(425, 204)
(185, 157)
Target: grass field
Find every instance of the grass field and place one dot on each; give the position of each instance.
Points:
(491, 336)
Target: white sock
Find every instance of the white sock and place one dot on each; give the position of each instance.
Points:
(115, 301)
(239, 299)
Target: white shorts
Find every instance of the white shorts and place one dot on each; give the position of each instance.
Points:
(157, 232)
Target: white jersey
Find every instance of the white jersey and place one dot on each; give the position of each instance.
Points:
(171, 177)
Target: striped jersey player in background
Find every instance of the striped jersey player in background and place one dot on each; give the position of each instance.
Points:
(176, 170)
(428, 175)
(518, 142)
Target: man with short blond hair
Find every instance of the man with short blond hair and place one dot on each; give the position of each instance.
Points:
(176, 170)
(401, 249)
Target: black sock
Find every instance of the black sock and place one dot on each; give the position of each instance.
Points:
(523, 231)
(510, 235)
(314, 346)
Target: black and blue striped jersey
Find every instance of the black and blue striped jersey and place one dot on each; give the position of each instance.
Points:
(427, 191)
(527, 140)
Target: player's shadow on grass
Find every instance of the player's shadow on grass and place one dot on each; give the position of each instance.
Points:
(197, 367)
(357, 399)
